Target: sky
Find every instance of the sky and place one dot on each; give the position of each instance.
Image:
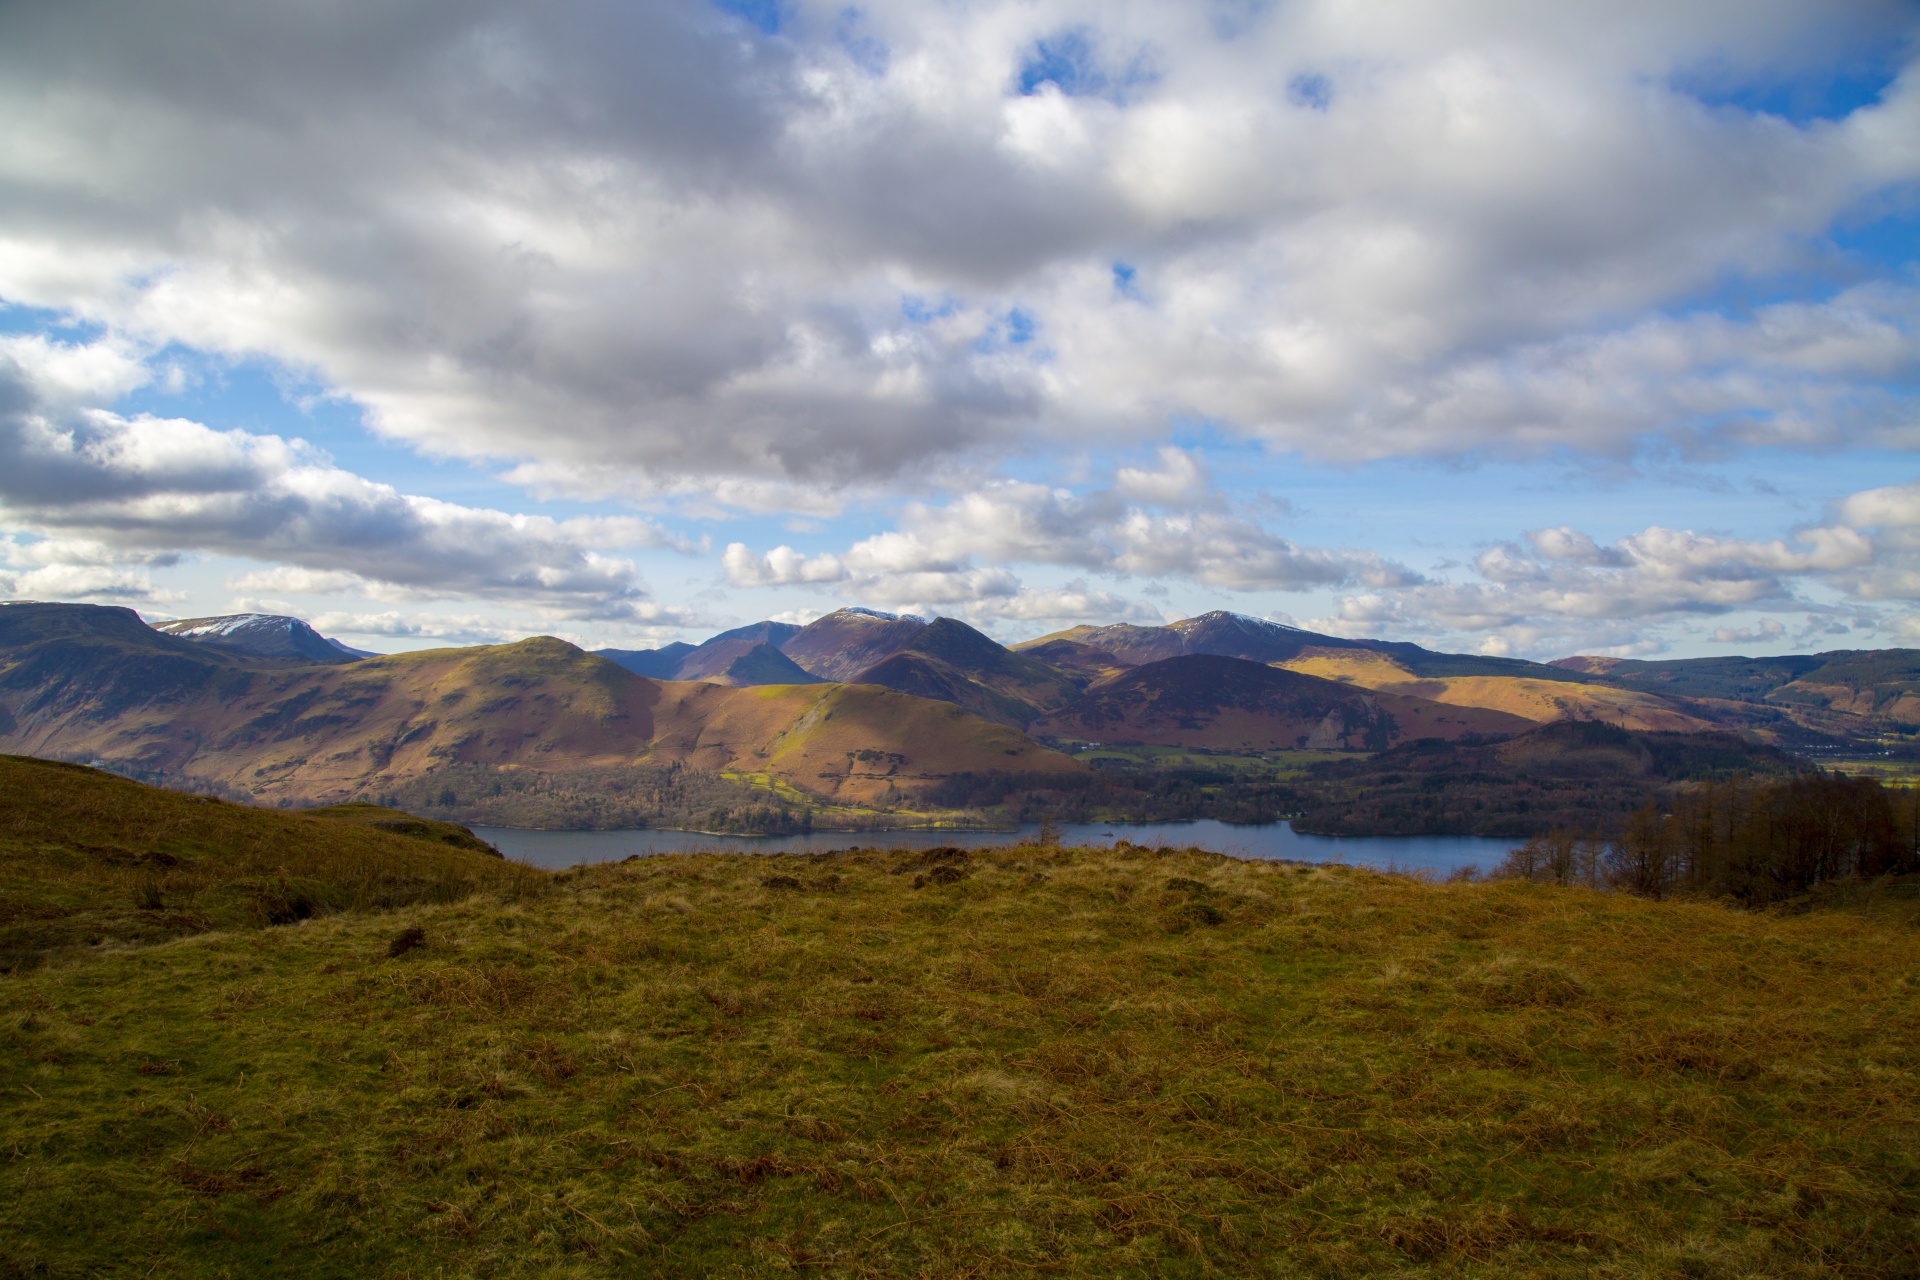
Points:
(1501, 327)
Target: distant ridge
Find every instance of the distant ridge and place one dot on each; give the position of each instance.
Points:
(952, 662)
(762, 665)
(1235, 635)
(94, 683)
(718, 658)
(848, 641)
(655, 664)
(264, 635)
(1232, 704)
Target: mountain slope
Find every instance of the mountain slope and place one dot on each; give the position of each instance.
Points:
(1842, 694)
(1733, 678)
(762, 664)
(712, 658)
(708, 660)
(952, 662)
(655, 664)
(89, 860)
(1581, 776)
(1233, 635)
(848, 641)
(1542, 701)
(170, 709)
(1083, 664)
(263, 635)
(1231, 704)
(1883, 684)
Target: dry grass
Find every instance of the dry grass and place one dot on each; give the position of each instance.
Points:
(1044, 1061)
(1542, 701)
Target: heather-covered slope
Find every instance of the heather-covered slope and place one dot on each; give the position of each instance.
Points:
(1229, 704)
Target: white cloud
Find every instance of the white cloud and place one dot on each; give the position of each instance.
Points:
(935, 557)
(1180, 480)
(1563, 588)
(469, 628)
(637, 249)
(110, 489)
(84, 582)
(782, 566)
(1765, 631)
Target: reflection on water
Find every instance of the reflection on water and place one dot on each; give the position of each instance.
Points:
(556, 849)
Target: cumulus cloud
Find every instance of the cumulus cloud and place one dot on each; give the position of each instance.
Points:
(117, 490)
(645, 248)
(934, 556)
(1559, 585)
(1766, 631)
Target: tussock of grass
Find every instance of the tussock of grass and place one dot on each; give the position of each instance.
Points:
(1049, 1061)
(91, 861)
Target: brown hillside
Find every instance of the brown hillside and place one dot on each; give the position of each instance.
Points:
(1586, 665)
(1228, 704)
(1541, 701)
(952, 662)
(1081, 663)
(1129, 644)
(323, 734)
(848, 641)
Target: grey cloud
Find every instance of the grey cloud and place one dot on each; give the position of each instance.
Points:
(119, 490)
(641, 241)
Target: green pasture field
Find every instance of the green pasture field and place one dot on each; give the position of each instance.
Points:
(1273, 764)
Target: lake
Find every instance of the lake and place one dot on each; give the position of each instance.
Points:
(1441, 854)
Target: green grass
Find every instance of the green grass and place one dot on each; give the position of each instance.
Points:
(1274, 764)
(1887, 772)
(1059, 1062)
(91, 862)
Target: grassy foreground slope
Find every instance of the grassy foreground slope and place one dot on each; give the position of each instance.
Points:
(1126, 1063)
(89, 861)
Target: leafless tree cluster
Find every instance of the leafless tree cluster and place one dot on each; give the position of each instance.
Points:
(1756, 840)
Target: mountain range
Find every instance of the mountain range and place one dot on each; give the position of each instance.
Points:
(856, 711)
(96, 684)
(1829, 701)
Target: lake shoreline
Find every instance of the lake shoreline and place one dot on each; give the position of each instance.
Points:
(1266, 842)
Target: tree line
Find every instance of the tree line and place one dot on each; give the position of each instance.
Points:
(1756, 840)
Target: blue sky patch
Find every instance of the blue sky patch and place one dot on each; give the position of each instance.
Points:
(1311, 90)
(763, 15)
(1824, 93)
(1065, 61)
